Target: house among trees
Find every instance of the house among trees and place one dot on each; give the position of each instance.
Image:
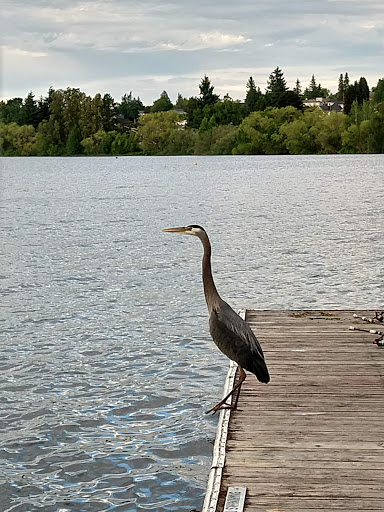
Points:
(327, 105)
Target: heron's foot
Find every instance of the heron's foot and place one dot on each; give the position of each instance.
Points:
(223, 404)
(219, 406)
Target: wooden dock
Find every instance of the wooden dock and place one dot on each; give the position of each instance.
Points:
(313, 438)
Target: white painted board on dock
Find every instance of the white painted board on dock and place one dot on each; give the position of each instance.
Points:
(235, 499)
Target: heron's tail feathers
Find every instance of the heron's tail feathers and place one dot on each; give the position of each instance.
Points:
(261, 371)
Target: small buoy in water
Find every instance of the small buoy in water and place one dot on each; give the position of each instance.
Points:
(194, 163)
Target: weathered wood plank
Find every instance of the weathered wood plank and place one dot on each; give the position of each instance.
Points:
(311, 439)
(269, 504)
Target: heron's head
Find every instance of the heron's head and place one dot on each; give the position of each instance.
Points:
(193, 230)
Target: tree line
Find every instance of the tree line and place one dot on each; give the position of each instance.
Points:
(68, 122)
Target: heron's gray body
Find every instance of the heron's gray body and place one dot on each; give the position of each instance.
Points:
(236, 340)
(229, 331)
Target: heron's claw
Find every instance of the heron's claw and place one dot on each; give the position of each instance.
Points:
(218, 407)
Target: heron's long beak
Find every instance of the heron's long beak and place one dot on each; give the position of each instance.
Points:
(175, 230)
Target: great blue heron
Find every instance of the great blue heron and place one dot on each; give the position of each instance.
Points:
(229, 331)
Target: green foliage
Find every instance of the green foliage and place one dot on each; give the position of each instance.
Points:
(228, 111)
(277, 93)
(91, 115)
(17, 140)
(276, 83)
(341, 88)
(107, 111)
(93, 145)
(124, 144)
(298, 139)
(156, 131)
(315, 90)
(298, 89)
(259, 133)
(378, 94)
(195, 114)
(182, 142)
(129, 107)
(70, 122)
(107, 141)
(11, 111)
(359, 92)
(163, 104)
(73, 146)
(207, 97)
(30, 111)
(252, 97)
(218, 140)
(363, 90)
(366, 131)
(181, 102)
(328, 133)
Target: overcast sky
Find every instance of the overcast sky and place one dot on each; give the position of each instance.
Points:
(145, 46)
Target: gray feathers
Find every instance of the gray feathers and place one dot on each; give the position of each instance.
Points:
(236, 340)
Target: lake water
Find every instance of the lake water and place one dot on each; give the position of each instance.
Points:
(106, 362)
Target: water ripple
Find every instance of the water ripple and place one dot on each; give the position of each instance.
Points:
(106, 361)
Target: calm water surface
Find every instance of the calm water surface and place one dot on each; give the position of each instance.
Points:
(106, 362)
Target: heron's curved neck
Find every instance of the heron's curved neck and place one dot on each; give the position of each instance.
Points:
(211, 296)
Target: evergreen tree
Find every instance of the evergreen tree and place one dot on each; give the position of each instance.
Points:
(292, 99)
(206, 93)
(12, 111)
(252, 97)
(346, 81)
(163, 104)
(276, 89)
(363, 90)
(204, 126)
(357, 92)
(228, 111)
(181, 102)
(278, 95)
(313, 87)
(42, 109)
(44, 106)
(350, 95)
(195, 114)
(108, 113)
(129, 107)
(313, 90)
(378, 94)
(276, 83)
(298, 89)
(29, 114)
(341, 88)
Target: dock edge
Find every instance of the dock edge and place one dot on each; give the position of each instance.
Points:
(218, 458)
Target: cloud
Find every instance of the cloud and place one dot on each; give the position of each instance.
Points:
(24, 53)
(123, 43)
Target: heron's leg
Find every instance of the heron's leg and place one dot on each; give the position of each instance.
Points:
(242, 376)
(223, 404)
